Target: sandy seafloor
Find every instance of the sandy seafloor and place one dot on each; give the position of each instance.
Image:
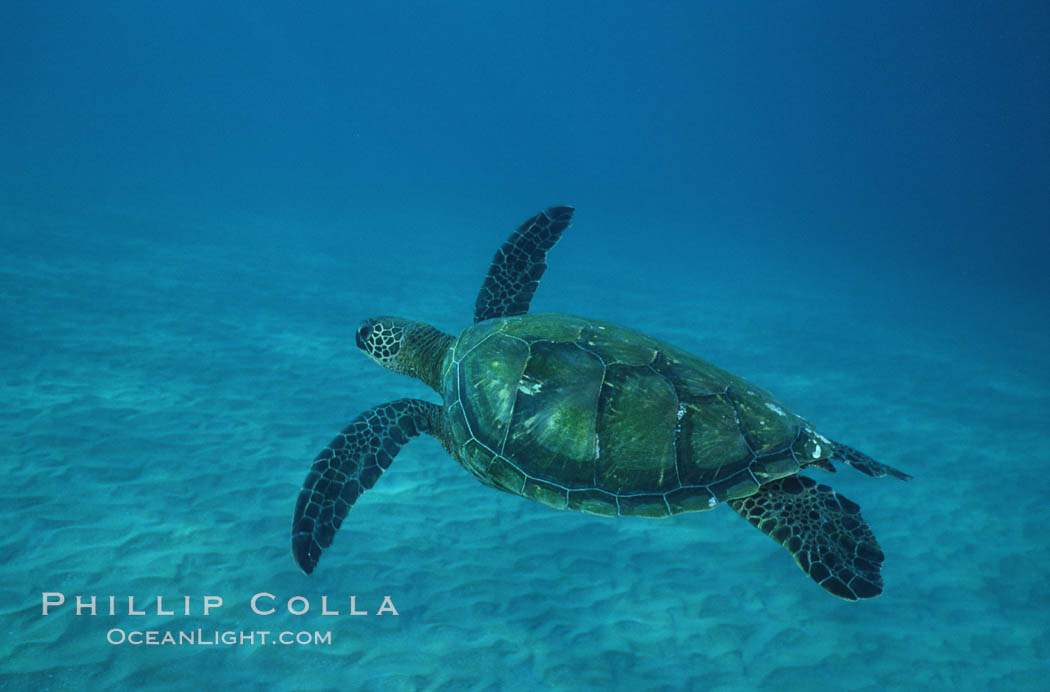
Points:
(165, 389)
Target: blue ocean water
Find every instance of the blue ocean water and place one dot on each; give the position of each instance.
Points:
(845, 204)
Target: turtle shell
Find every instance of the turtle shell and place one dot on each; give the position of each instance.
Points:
(588, 415)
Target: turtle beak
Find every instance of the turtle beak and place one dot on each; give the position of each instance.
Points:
(363, 332)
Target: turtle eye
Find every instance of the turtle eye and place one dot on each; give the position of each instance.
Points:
(363, 333)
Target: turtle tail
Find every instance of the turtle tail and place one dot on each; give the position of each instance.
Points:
(863, 463)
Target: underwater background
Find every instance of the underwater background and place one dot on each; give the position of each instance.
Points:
(845, 203)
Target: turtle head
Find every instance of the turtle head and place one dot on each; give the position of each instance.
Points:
(404, 346)
(381, 339)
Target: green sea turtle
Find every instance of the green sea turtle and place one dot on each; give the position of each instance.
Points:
(582, 414)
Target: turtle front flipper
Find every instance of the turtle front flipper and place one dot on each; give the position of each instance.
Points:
(823, 531)
(518, 265)
(350, 465)
(863, 463)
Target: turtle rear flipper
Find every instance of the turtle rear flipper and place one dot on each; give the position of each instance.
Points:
(863, 463)
(823, 531)
(519, 264)
(350, 465)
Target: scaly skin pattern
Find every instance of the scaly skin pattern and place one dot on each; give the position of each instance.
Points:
(350, 465)
(822, 530)
(519, 264)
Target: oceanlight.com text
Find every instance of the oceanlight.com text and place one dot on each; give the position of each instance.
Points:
(202, 637)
